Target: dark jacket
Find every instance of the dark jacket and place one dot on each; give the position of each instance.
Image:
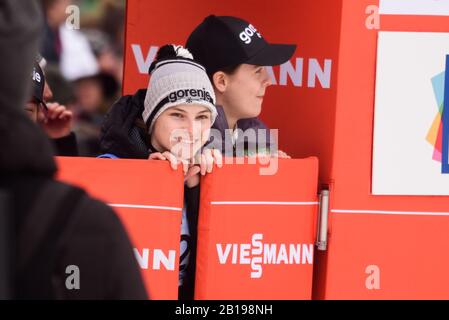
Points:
(91, 238)
(66, 146)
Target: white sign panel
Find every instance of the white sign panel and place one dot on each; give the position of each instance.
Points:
(415, 7)
(408, 126)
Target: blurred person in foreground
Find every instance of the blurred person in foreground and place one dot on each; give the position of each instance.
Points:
(51, 226)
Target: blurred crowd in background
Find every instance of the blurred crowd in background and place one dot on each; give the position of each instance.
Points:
(84, 67)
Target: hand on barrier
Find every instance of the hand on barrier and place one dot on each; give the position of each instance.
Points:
(203, 164)
(186, 166)
(208, 158)
(165, 156)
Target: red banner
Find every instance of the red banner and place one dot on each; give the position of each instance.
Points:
(256, 232)
(379, 247)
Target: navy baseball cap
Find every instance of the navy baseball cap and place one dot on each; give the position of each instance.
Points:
(223, 41)
(38, 79)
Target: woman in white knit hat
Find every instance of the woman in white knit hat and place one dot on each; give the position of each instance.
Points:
(177, 114)
(179, 111)
(173, 124)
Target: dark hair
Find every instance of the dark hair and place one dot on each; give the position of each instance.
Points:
(142, 128)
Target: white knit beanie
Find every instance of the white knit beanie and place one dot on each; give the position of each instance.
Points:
(176, 79)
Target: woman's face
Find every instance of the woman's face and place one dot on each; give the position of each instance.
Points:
(245, 91)
(182, 130)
